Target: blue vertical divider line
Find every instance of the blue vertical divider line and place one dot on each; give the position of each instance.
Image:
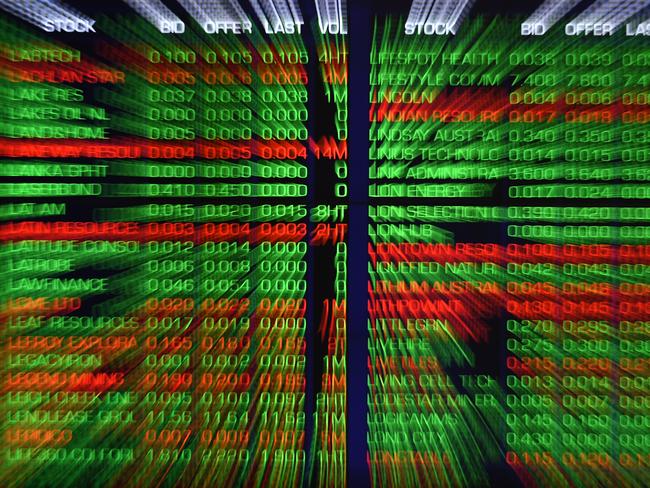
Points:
(359, 22)
(312, 356)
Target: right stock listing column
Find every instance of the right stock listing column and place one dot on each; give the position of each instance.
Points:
(508, 266)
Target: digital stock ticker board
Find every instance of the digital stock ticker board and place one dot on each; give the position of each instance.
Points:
(319, 243)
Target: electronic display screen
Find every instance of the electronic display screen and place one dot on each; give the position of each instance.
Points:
(325, 243)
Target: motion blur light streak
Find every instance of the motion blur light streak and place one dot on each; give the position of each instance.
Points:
(49, 15)
(158, 14)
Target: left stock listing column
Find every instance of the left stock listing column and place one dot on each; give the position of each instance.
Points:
(68, 406)
(174, 251)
